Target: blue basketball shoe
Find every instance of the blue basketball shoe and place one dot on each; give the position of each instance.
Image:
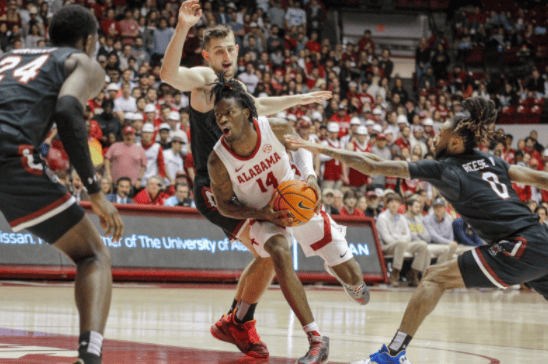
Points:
(383, 357)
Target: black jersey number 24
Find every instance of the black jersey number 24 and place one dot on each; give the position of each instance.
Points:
(25, 73)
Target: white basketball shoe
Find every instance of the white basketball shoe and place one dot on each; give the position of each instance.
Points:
(359, 294)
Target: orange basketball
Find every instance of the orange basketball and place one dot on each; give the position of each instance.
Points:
(298, 198)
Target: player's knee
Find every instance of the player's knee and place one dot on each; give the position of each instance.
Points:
(423, 246)
(279, 251)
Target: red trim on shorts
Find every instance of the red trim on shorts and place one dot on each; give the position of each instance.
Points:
(327, 237)
(40, 212)
(491, 271)
(207, 201)
(223, 142)
(522, 247)
(237, 229)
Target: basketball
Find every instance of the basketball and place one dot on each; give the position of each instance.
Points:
(298, 198)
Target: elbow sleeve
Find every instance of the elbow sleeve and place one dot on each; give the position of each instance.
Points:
(69, 116)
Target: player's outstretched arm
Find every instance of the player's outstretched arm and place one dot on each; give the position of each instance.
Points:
(222, 189)
(527, 176)
(182, 78)
(85, 81)
(304, 160)
(362, 162)
(273, 105)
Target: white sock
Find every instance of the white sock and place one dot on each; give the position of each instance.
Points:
(95, 343)
(312, 327)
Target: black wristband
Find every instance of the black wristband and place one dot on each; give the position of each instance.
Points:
(69, 116)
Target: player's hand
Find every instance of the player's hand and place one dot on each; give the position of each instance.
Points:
(281, 218)
(138, 184)
(314, 97)
(189, 13)
(455, 244)
(293, 142)
(108, 215)
(312, 182)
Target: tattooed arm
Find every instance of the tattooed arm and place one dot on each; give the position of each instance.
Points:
(223, 191)
(366, 163)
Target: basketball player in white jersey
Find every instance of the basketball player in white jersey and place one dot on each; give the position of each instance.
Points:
(221, 53)
(249, 162)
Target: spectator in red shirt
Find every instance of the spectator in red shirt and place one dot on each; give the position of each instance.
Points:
(152, 194)
(342, 119)
(313, 45)
(403, 141)
(366, 43)
(109, 26)
(349, 209)
(530, 148)
(129, 28)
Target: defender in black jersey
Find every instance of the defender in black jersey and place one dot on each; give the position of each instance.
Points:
(37, 88)
(221, 53)
(479, 186)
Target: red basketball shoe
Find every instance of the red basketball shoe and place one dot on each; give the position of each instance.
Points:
(244, 336)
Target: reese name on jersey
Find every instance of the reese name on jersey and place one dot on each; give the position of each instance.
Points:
(475, 166)
(259, 168)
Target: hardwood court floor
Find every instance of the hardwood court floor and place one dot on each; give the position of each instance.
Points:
(170, 324)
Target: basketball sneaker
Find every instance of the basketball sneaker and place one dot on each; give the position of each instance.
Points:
(357, 294)
(383, 357)
(244, 336)
(319, 349)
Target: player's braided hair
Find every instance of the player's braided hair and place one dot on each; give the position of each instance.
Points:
(475, 128)
(226, 89)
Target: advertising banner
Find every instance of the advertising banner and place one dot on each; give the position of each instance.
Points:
(178, 239)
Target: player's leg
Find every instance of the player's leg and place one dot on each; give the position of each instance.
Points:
(254, 281)
(242, 334)
(93, 284)
(31, 198)
(323, 237)
(278, 248)
(442, 252)
(350, 276)
(437, 279)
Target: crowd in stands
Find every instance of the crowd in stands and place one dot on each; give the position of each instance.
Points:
(509, 40)
(139, 133)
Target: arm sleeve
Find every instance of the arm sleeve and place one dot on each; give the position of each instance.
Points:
(305, 162)
(69, 116)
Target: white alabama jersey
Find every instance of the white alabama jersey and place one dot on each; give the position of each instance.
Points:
(255, 178)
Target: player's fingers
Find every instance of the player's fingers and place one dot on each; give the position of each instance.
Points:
(110, 225)
(318, 206)
(103, 222)
(118, 227)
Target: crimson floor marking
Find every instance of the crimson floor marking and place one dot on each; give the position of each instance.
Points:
(32, 347)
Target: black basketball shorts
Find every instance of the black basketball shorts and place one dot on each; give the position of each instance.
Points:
(31, 197)
(205, 203)
(520, 259)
